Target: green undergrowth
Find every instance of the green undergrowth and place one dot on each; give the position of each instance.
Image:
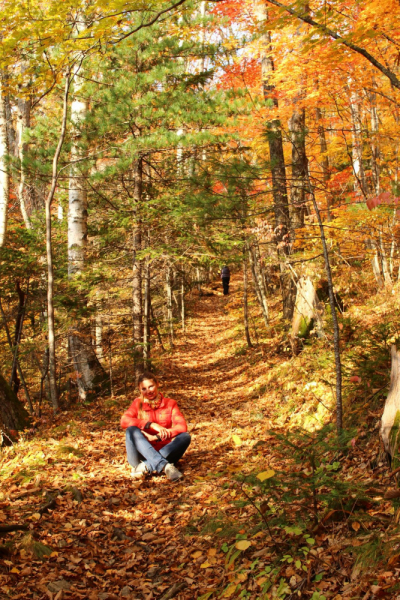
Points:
(303, 498)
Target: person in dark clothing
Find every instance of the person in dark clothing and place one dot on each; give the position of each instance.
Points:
(225, 276)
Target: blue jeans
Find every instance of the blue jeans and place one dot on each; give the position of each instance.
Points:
(138, 448)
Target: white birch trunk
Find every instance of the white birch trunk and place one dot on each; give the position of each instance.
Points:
(358, 169)
(99, 336)
(4, 175)
(87, 366)
(77, 196)
(391, 413)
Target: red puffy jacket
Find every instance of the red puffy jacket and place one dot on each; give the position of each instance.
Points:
(167, 414)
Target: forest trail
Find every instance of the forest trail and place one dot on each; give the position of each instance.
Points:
(137, 540)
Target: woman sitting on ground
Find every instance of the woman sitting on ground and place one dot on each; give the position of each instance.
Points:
(156, 431)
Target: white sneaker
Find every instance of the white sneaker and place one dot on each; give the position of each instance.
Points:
(172, 473)
(140, 471)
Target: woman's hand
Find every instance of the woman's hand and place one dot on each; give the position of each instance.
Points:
(149, 436)
(164, 434)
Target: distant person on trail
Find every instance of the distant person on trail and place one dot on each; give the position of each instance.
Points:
(156, 431)
(225, 276)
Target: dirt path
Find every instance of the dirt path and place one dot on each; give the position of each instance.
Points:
(129, 540)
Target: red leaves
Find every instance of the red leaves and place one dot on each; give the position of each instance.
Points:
(383, 198)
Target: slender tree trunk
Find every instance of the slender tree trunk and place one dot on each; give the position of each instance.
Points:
(155, 324)
(18, 334)
(137, 303)
(336, 334)
(258, 284)
(146, 314)
(245, 304)
(170, 320)
(89, 371)
(326, 172)
(183, 303)
(297, 128)
(375, 262)
(374, 142)
(11, 134)
(49, 253)
(198, 277)
(20, 373)
(384, 264)
(360, 185)
(4, 171)
(99, 334)
(23, 123)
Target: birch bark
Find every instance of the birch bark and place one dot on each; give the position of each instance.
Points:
(357, 146)
(89, 371)
(4, 174)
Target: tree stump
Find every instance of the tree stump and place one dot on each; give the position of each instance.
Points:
(307, 310)
(391, 413)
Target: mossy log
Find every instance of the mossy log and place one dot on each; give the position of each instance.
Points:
(391, 413)
(13, 416)
(307, 310)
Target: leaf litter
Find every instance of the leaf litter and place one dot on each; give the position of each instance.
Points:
(91, 532)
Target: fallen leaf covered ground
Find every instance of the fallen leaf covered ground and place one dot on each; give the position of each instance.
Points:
(92, 532)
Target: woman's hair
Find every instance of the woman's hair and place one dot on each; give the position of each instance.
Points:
(145, 375)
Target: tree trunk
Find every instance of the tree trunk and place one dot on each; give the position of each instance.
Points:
(4, 175)
(99, 335)
(14, 381)
(21, 375)
(277, 161)
(357, 147)
(384, 264)
(90, 374)
(375, 262)
(170, 321)
(307, 309)
(137, 305)
(332, 303)
(297, 128)
(49, 252)
(11, 135)
(245, 304)
(273, 127)
(146, 315)
(23, 123)
(183, 303)
(390, 422)
(155, 325)
(13, 416)
(374, 143)
(326, 173)
(258, 283)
